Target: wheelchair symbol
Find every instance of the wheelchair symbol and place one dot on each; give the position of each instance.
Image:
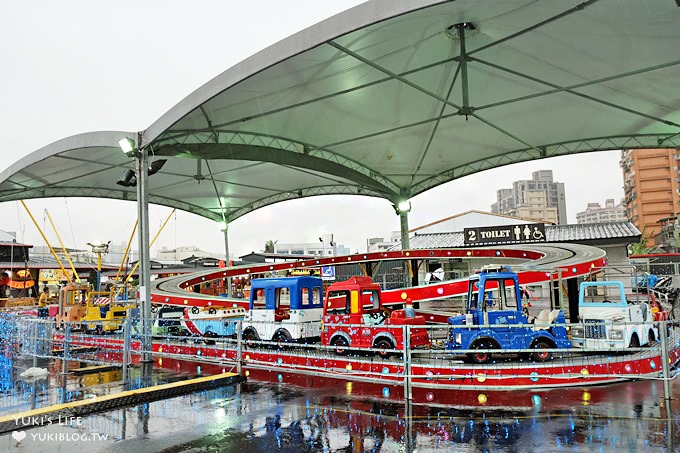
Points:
(537, 234)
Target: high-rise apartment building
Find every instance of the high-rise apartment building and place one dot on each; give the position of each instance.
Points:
(651, 187)
(595, 213)
(539, 198)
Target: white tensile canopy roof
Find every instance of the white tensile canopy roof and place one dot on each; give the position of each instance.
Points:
(390, 99)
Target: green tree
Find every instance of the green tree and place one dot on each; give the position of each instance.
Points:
(269, 246)
(641, 248)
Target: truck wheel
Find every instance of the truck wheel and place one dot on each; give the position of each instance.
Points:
(541, 355)
(651, 338)
(208, 337)
(383, 345)
(341, 345)
(281, 338)
(183, 333)
(99, 330)
(480, 357)
(250, 337)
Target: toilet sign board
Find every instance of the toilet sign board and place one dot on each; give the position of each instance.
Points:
(505, 234)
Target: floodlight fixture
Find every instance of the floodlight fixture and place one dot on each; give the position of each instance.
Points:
(403, 206)
(156, 165)
(127, 145)
(99, 246)
(129, 179)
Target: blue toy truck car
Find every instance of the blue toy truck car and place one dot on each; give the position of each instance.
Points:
(493, 319)
(291, 313)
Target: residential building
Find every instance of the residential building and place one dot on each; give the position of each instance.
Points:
(539, 198)
(380, 244)
(667, 238)
(651, 188)
(325, 247)
(180, 254)
(595, 213)
(7, 236)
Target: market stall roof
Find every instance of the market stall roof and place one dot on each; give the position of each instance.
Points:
(390, 99)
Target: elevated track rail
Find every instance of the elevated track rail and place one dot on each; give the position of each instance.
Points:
(534, 263)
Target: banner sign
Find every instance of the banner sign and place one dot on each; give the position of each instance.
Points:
(55, 276)
(505, 234)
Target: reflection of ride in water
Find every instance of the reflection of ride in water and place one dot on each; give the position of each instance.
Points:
(374, 417)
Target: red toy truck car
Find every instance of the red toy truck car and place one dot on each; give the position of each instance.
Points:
(353, 317)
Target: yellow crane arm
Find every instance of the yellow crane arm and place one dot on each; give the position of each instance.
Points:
(68, 277)
(134, 268)
(63, 248)
(127, 250)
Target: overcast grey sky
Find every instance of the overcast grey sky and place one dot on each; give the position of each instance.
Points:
(79, 66)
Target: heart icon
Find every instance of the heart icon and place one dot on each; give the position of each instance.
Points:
(19, 435)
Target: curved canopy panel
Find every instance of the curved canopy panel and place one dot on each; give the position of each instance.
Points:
(390, 99)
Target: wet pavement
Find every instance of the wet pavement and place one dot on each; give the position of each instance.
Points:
(275, 412)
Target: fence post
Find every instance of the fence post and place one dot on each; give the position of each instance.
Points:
(126, 347)
(663, 336)
(35, 338)
(408, 421)
(67, 345)
(239, 346)
(407, 362)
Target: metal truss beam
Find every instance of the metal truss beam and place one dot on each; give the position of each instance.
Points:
(263, 148)
(342, 189)
(647, 141)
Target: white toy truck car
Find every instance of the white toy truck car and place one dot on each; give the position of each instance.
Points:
(608, 321)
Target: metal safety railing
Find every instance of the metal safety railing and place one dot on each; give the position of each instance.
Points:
(38, 338)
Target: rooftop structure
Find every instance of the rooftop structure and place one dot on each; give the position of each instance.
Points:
(611, 212)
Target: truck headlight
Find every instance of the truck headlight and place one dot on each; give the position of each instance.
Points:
(577, 331)
(615, 334)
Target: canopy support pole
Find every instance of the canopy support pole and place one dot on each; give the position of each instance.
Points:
(405, 244)
(226, 254)
(142, 169)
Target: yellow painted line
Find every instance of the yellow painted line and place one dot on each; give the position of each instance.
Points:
(114, 396)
